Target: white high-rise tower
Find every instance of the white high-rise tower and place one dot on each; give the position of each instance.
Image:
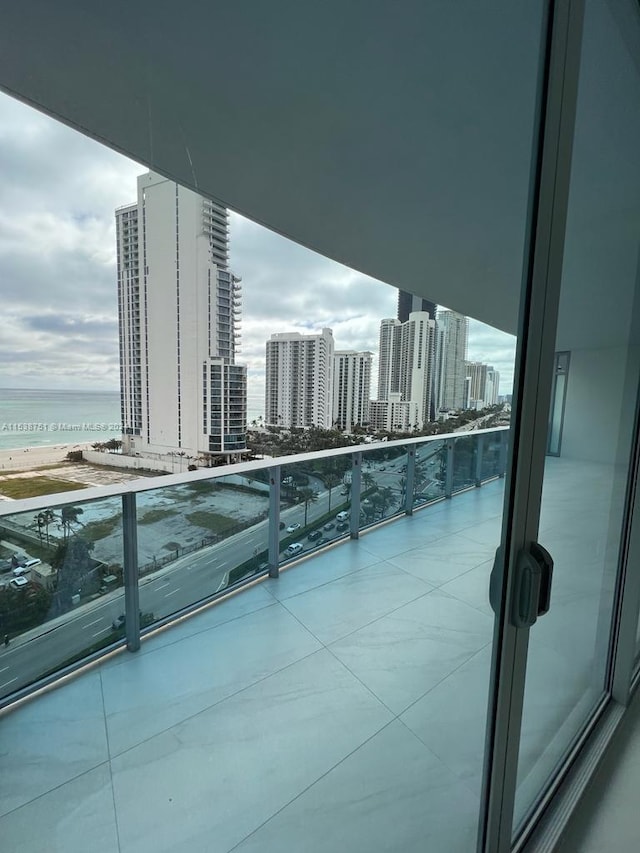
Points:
(351, 389)
(299, 380)
(179, 306)
(451, 356)
(405, 373)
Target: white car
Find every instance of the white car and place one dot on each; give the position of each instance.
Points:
(16, 583)
(21, 570)
(293, 527)
(294, 549)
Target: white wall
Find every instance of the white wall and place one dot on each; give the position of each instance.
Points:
(600, 404)
(135, 463)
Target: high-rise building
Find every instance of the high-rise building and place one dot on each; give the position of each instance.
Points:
(299, 380)
(405, 365)
(389, 357)
(417, 351)
(492, 391)
(484, 382)
(408, 304)
(477, 373)
(451, 355)
(179, 309)
(351, 388)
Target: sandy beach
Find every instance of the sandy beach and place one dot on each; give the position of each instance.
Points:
(26, 458)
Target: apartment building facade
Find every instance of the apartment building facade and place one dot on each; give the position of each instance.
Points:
(179, 312)
(483, 385)
(405, 369)
(351, 388)
(299, 380)
(452, 340)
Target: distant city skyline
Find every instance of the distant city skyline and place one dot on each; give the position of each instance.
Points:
(58, 264)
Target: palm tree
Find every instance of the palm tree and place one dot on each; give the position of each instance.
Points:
(307, 496)
(69, 517)
(40, 523)
(330, 481)
(368, 480)
(385, 497)
(48, 516)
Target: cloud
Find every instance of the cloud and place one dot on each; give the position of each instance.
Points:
(58, 193)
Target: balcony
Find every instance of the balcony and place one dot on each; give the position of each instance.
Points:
(337, 704)
(258, 712)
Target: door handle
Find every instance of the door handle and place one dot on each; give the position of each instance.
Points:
(532, 585)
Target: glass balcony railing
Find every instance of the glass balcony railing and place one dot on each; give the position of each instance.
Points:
(87, 573)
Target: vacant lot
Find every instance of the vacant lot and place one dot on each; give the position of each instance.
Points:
(31, 487)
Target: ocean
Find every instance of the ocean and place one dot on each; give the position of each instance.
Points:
(35, 418)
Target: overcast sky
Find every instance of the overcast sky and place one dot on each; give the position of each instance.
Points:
(58, 192)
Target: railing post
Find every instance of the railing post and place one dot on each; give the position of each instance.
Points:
(130, 556)
(448, 485)
(274, 521)
(410, 480)
(479, 452)
(502, 463)
(356, 488)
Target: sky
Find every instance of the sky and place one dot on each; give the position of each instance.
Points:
(58, 193)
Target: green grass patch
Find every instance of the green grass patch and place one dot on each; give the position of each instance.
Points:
(96, 530)
(31, 487)
(154, 515)
(212, 521)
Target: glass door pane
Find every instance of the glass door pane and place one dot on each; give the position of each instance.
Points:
(582, 515)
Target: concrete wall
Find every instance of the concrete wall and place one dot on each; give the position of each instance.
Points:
(134, 463)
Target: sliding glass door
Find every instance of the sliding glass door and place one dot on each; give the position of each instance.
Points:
(556, 578)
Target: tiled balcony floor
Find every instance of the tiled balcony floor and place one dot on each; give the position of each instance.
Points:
(340, 707)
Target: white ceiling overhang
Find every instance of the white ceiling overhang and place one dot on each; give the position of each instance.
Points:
(393, 137)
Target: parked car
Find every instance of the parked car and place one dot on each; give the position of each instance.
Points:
(315, 534)
(5, 566)
(21, 570)
(342, 516)
(18, 583)
(322, 541)
(293, 549)
(329, 526)
(344, 525)
(293, 527)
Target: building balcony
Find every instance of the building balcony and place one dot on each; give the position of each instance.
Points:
(266, 682)
(331, 697)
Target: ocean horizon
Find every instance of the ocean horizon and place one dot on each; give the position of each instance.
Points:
(41, 417)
